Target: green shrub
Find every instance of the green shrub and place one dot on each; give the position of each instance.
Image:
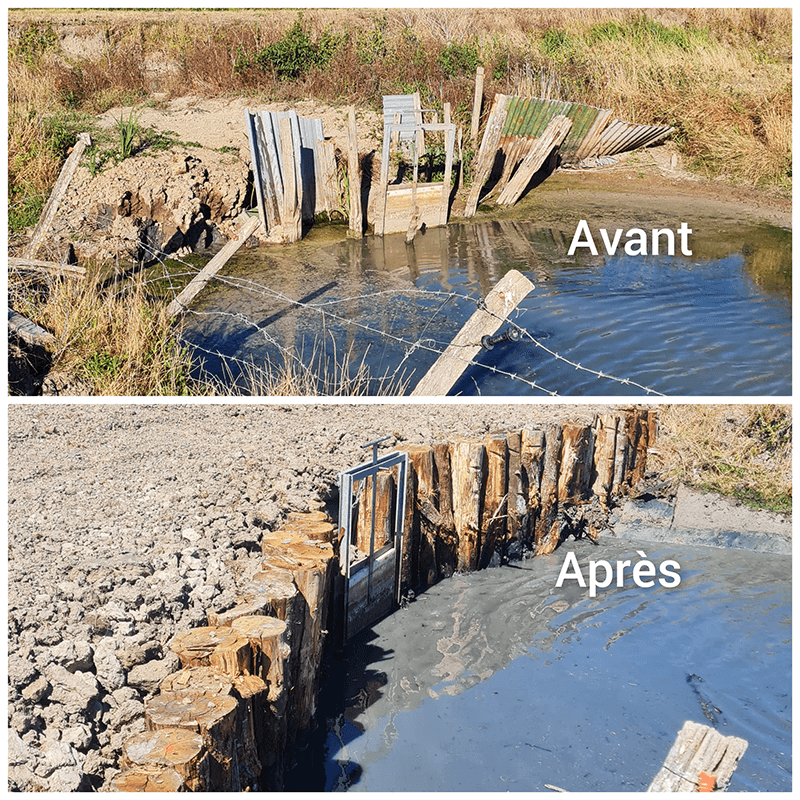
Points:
(459, 59)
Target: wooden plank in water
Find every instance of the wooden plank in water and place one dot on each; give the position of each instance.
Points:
(698, 749)
(181, 302)
(450, 365)
(51, 207)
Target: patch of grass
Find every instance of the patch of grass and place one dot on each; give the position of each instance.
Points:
(128, 131)
(740, 451)
(120, 343)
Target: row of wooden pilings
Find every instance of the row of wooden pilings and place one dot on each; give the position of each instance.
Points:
(228, 719)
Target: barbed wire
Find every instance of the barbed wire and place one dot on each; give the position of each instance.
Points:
(326, 314)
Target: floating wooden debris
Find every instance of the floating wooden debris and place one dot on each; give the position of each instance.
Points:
(516, 124)
(700, 758)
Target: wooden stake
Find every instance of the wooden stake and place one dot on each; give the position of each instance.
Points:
(447, 540)
(476, 107)
(575, 467)
(148, 779)
(495, 505)
(517, 501)
(604, 454)
(215, 647)
(468, 463)
(531, 466)
(291, 216)
(356, 226)
(172, 748)
(214, 717)
(425, 512)
(547, 527)
(512, 288)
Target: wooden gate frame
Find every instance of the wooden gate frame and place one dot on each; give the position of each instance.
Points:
(417, 132)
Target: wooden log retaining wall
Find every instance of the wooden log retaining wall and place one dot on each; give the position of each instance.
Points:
(249, 680)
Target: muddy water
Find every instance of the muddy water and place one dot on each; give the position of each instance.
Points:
(716, 323)
(499, 681)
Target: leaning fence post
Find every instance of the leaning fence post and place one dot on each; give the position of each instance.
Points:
(476, 107)
(51, 207)
(450, 365)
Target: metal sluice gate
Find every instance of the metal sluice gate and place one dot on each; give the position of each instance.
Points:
(372, 499)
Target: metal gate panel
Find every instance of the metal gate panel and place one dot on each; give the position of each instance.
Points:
(372, 585)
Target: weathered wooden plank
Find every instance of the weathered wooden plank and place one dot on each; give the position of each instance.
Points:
(291, 214)
(552, 136)
(500, 302)
(698, 748)
(356, 224)
(70, 270)
(495, 504)
(28, 331)
(181, 302)
(50, 210)
(476, 107)
(468, 469)
(547, 531)
(487, 153)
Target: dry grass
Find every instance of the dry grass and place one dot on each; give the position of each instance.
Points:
(117, 343)
(740, 451)
(721, 76)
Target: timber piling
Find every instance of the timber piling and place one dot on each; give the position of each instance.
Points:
(249, 680)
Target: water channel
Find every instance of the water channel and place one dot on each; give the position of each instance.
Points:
(499, 681)
(716, 323)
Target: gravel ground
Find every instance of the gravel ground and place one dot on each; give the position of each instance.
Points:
(128, 522)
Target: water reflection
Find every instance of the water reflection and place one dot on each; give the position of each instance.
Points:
(717, 323)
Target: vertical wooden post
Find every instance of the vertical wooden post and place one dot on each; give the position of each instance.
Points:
(356, 224)
(604, 454)
(547, 526)
(516, 498)
(291, 216)
(425, 512)
(447, 541)
(531, 465)
(495, 505)
(575, 467)
(468, 462)
(476, 107)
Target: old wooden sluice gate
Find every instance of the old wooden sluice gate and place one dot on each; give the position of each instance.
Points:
(247, 691)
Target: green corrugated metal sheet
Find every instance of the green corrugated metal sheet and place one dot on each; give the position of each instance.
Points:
(529, 116)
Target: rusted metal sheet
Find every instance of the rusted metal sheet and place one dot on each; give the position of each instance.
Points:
(620, 137)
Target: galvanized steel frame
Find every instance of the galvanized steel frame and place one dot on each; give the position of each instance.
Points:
(347, 480)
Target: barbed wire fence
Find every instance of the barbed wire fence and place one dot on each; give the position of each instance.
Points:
(349, 375)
